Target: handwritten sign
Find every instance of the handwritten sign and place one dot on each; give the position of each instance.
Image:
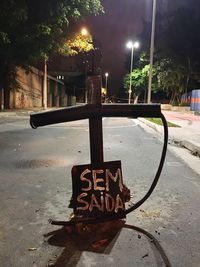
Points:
(98, 189)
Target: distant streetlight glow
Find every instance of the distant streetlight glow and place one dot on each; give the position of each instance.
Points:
(84, 31)
(131, 46)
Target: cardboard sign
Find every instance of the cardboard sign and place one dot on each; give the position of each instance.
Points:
(98, 190)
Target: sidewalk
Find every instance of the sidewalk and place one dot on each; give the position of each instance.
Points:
(187, 135)
(21, 112)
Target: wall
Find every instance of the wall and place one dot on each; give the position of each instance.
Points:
(192, 99)
(30, 92)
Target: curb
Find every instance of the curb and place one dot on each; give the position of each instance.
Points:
(192, 146)
(152, 125)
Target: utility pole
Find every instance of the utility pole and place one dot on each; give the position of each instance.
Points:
(151, 51)
(44, 104)
(2, 98)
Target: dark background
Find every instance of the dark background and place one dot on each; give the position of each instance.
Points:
(123, 20)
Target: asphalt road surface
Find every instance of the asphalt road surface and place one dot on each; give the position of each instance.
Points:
(35, 185)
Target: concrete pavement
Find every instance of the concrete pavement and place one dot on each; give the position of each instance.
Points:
(187, 135)
(34, 195)
(20, 112)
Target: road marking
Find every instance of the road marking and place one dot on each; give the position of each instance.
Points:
(174, 164)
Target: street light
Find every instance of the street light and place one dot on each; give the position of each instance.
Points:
(131, 46)
(151, 51)
(84, 31)
(106, 75)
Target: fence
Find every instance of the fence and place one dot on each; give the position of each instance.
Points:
(192, 99)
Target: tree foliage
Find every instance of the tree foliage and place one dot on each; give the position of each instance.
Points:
(171, 77)
(178, 50)
(76, 44)
(31, 30)
(138, 81)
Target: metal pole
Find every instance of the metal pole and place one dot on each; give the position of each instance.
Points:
(2, 99)
(86, 81)
(130, 91)
(106, 86)
(151, 51)
(95, 122)
(44, 104)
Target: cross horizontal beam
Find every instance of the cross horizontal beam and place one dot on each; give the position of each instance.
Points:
(89, 111)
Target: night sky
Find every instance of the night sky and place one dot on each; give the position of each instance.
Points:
(122, 21)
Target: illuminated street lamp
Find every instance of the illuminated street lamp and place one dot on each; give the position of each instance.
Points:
(131, 46)
(84, 31)
(151, 51)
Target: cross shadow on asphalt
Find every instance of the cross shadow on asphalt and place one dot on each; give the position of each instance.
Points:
(98, 238)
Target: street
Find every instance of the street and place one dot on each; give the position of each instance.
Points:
(35, 178)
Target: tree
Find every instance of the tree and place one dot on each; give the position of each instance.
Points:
(171, 78)
(139, 78)
(31, 30)
(178, 41)
(77, 43)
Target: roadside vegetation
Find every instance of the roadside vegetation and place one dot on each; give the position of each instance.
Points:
(159, 122)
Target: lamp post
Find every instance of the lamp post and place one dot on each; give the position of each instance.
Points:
(44, 104)
(2, 98)
(106, 86)
(151, 51)
(106, 75)
(84, 32)
(131, 46)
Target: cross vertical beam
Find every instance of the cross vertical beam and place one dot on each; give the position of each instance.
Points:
(95, 120)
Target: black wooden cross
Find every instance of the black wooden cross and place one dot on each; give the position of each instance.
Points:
(98, 187)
